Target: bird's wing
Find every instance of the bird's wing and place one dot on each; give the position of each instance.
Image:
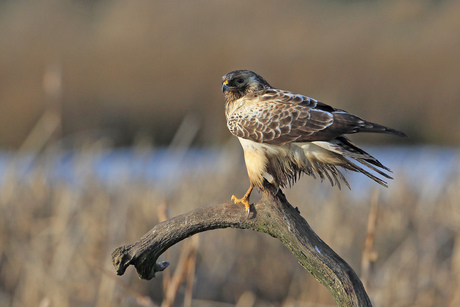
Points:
(279, 117)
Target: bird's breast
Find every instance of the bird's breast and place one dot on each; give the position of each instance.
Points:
(268, 150)
(232, 106)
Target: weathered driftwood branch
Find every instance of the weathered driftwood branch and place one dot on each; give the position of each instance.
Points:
(272, 215)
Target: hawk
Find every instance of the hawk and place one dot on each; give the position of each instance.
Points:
(285, 134)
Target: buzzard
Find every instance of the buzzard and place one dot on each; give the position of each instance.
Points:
(285, 134)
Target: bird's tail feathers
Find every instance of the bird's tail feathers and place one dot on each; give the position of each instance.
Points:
(342, 148)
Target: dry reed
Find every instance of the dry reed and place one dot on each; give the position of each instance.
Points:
(143, 66)
(57, 236)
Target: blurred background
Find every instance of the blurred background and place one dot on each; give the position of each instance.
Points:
(112, 119)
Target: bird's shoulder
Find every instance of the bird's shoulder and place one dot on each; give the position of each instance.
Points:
(278, 116)
(284, 99)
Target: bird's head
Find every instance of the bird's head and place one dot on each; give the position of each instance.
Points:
(239, 83)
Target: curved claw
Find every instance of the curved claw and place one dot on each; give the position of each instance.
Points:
(244, 200)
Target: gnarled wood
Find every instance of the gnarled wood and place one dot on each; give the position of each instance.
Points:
(272, 215)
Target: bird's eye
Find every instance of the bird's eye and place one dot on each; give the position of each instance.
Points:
(239, 81)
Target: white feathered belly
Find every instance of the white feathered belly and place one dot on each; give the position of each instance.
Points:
(284, 162)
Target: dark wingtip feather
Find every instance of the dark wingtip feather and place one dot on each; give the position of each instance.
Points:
(395, 132)
(377, 128)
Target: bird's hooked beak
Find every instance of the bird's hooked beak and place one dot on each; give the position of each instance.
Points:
(225, 87)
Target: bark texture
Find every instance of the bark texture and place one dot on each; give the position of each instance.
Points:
(272, 215)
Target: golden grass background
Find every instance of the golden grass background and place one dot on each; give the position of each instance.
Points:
(143, 65)
(90, 75)
(57, 237)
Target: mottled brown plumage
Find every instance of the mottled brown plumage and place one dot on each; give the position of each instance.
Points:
(285, 134)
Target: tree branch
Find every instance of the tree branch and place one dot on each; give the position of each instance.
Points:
(272, 215)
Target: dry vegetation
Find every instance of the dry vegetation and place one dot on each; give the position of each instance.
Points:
(57, 237)
(131, 66)
(138, 68)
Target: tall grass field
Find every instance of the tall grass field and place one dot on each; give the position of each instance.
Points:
(63, 213)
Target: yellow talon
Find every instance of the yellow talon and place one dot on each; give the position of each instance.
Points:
(245, 199)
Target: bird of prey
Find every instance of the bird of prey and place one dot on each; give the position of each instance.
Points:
(285, 134)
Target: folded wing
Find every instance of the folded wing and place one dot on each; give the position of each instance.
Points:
(278, 117)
